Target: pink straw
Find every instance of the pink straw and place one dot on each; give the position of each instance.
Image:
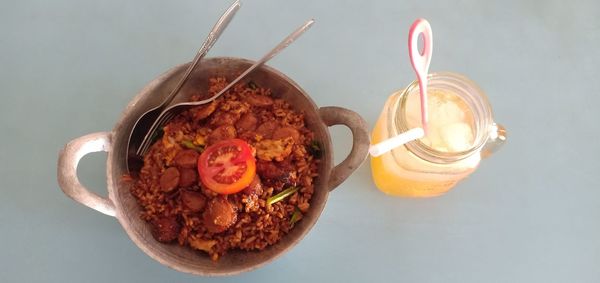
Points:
(420, 60)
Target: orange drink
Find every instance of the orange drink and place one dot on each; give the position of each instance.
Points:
(460, 130)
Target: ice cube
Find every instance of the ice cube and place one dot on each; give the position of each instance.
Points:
(434, 140)
(456, 136)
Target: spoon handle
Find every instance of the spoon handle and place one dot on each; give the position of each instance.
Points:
(210, 40)
(282, 45)
(420, 60)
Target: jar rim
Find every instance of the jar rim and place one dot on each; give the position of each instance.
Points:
(468, 91)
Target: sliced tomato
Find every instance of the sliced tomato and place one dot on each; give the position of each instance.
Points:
(227, 167)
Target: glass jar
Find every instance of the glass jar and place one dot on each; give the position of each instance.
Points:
(422, 168)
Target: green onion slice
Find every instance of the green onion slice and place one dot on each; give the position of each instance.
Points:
(191, 145)
(296, 216)
(282, 195)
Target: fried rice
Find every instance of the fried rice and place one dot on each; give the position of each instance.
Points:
(284, 159)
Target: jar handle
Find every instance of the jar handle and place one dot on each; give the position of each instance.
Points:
(68, 159)
(496, 139)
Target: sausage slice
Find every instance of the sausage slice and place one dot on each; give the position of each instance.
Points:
(187, 177)
(187, 158)
(285, 132)
(169, 179)
(255, 187)
(246, 123)
(165, 229)
(258, 100)
(222, 133)
(195, 201)
(219, 215)
(266, 129)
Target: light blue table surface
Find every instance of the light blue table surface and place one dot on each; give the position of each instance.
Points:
(531, 213)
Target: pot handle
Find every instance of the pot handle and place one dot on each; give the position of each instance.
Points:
(68, 159)
(360, 141)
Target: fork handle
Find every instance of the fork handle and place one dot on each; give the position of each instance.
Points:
(210, 40)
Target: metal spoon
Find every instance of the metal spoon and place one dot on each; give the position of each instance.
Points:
(146, 120)
(173, 110)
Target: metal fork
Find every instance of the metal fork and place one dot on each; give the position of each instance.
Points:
(147, 120)
(175, 109)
